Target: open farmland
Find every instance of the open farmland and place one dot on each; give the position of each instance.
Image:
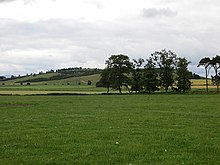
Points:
(110, 129)
(61, 87)
(50, 89)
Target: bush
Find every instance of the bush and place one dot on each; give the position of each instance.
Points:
(89, 82)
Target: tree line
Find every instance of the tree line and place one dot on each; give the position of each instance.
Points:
(162, 70)
(209, 63)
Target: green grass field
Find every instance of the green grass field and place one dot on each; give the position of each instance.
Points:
(60, 86)
(45, 89)
(110, 129)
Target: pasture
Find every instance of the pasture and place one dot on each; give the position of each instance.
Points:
(60, 86)
(110, 129)
(45, 89)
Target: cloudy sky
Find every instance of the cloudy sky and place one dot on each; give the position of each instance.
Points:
(39, 35)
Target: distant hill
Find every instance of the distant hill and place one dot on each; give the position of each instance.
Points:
(60, 76)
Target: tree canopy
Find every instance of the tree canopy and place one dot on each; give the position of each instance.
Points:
(117, 71)
(166, 61)
(161, 70)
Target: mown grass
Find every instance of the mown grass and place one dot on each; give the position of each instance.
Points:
(110, 129)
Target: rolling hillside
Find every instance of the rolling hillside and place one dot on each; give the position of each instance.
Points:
(71, 76)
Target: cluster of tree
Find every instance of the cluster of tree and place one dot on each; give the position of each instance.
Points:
(63, 74)
(162, 69)
(2, 78)
(56, 77)
(79, 71)
(208, 64)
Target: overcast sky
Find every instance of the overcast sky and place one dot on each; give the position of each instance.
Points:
(39, 35)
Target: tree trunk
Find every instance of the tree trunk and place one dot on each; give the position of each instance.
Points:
(217, 84)
(119, 88)
(206, 80)
(166, 89)
(217, 79)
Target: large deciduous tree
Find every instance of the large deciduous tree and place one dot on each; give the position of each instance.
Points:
(183, 75)
(118, 68)
(150, 78)
(137, 74)
(166, 61)
(206, 63)
(105, 80)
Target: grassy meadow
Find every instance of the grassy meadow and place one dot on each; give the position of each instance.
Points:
(70, 86)
(45, 89)
(110, 129)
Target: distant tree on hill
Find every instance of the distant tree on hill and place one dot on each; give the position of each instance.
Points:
(195, 76)
(13, 77)
(2, 78)
(89, 82)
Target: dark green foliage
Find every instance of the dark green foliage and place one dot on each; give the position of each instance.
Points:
(166, 61)
(150, 78)
(89, 82)
(117, 71)
(208, 63)
(183, 82)
(105, 79)
(79, 71)
(137, 75)
(205, 62)
(2, 78)
(160, 71)
(195, 76)
(215, 63)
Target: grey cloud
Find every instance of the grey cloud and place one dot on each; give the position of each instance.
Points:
(154, 12)
(25, 1)
(67, 43)
(1, 1)
(98, 4)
